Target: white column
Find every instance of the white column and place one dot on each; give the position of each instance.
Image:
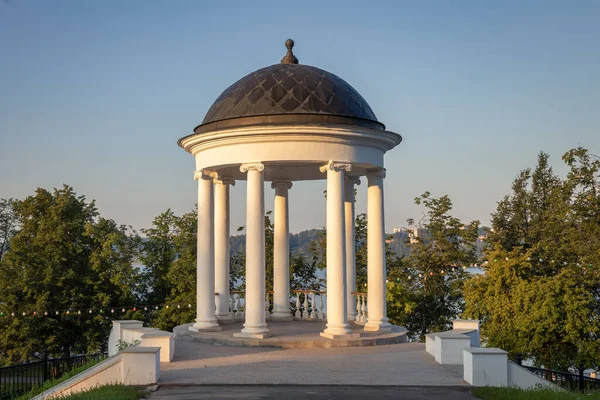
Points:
(281, 252)
(255, 325)
(350, 245)
(376, 273)
(222, 247)
(337, 318)
(205, 261)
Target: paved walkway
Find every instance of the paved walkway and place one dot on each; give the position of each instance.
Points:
(391, 365)
(313, 393)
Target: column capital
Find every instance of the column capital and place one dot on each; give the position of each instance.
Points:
(224, 180)
(355, 180)
(204, 174)
(376, 173)
(281, 182)
(336, 166)
(258, 166)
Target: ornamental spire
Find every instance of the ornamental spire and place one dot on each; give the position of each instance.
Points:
(289, 58)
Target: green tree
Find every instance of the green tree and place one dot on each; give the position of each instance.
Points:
(63, 257)
(158, 254)
(181, 276)
(435, 275)
(8, 224)
(540, 293)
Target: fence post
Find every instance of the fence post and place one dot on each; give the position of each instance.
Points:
(46, 377)
(581, 381)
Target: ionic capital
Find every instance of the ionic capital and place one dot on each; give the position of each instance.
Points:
(355, 180)
(224, 180)
(252, 167)
(336, 166)
(204, 174)
(281, 182)
(376, 173)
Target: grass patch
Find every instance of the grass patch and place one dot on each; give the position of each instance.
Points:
(502, 393)
(53, 382)
(112, 392)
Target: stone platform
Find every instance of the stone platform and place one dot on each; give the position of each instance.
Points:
(296, 334)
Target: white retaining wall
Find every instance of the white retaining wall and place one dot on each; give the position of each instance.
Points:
(133, 366)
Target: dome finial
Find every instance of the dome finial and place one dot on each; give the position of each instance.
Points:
(289, 58)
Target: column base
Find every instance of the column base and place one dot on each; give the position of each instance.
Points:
(282, 316)
(205, 327)
(253, 333)
(225, 319)
(340, 332)
(378, 326)
(340, 337)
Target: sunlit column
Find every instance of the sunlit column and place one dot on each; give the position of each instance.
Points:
(281, 252)
(205, 261)
(337, 318)
(376, 273)
(222, 247)
(349, 214)
(255, 325)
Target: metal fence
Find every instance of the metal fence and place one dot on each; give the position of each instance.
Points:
(567, 380)
(16, 380)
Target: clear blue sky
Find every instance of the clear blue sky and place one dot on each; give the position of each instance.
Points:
(95, 94)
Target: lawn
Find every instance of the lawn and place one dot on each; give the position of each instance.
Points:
(493, 393)
(53, 382)
(112, 392)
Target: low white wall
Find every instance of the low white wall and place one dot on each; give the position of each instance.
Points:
(485, 367)
(132, 366)
(133, 331)
(448, 347)
(162, 339)
(471, 328)
(116, 333)
(522, 378)
(430, 343)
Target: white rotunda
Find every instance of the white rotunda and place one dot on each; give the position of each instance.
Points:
(283, 123)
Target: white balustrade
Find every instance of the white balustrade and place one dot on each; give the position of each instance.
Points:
(267, 306)
(308, 306)
(305, 311)
(237, 298)
(361, 308)
(298, 314)
(321, 312)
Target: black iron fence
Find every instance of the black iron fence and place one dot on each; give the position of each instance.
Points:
(21, 378)
(567, 380)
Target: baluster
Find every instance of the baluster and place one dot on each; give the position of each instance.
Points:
(298, 315)
(267, 306)
(313, 312)
(321, 313)
(358, 310)
(305, 314)
(365, 310)
(231, 304)
(237, 306)
(243, 294)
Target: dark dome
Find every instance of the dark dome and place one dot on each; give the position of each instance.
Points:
(289, 93)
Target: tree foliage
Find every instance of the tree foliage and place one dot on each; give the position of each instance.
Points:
(426, 294)
(64, 256)
(540, 293)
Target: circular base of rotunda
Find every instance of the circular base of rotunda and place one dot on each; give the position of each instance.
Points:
(297, 334)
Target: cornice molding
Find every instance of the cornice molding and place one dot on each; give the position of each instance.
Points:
(382, 140)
